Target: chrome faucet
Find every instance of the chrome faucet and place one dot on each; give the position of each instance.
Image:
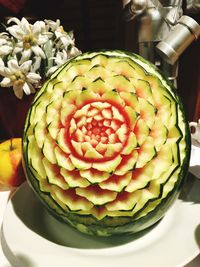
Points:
(164, 32)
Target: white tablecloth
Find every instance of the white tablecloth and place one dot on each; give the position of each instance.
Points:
(194, 168)
(3, 200)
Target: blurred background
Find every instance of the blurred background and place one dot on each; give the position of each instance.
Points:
(100, 24)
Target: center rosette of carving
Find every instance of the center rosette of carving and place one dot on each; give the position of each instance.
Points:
(98, 131)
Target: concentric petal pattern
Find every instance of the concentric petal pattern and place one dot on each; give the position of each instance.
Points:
(105, 137)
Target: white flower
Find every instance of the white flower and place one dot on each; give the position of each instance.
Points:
(66, 41)
(74, 51)
(5, 45)
(29, 53)
(36, 64)
(53, 25)
(61, 58)
(63, 39)
(29, 37)
(1, 63)
(19, 77)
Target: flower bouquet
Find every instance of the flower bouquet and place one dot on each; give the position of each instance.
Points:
(29, 54)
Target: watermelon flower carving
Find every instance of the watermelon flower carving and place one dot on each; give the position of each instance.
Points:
(105, 143)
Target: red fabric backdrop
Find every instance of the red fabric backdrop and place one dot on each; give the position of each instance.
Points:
(13, 5)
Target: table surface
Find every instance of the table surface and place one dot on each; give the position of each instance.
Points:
(194, 168)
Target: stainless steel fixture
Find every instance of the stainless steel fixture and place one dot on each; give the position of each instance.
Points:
(164, 32)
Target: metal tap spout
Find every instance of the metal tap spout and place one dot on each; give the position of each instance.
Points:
(163, 32)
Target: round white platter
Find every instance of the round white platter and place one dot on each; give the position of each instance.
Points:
(33, 238)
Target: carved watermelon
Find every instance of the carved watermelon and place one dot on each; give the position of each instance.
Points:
(106, 144)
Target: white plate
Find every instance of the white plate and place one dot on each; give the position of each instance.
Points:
(33, 238)
(195, 159)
